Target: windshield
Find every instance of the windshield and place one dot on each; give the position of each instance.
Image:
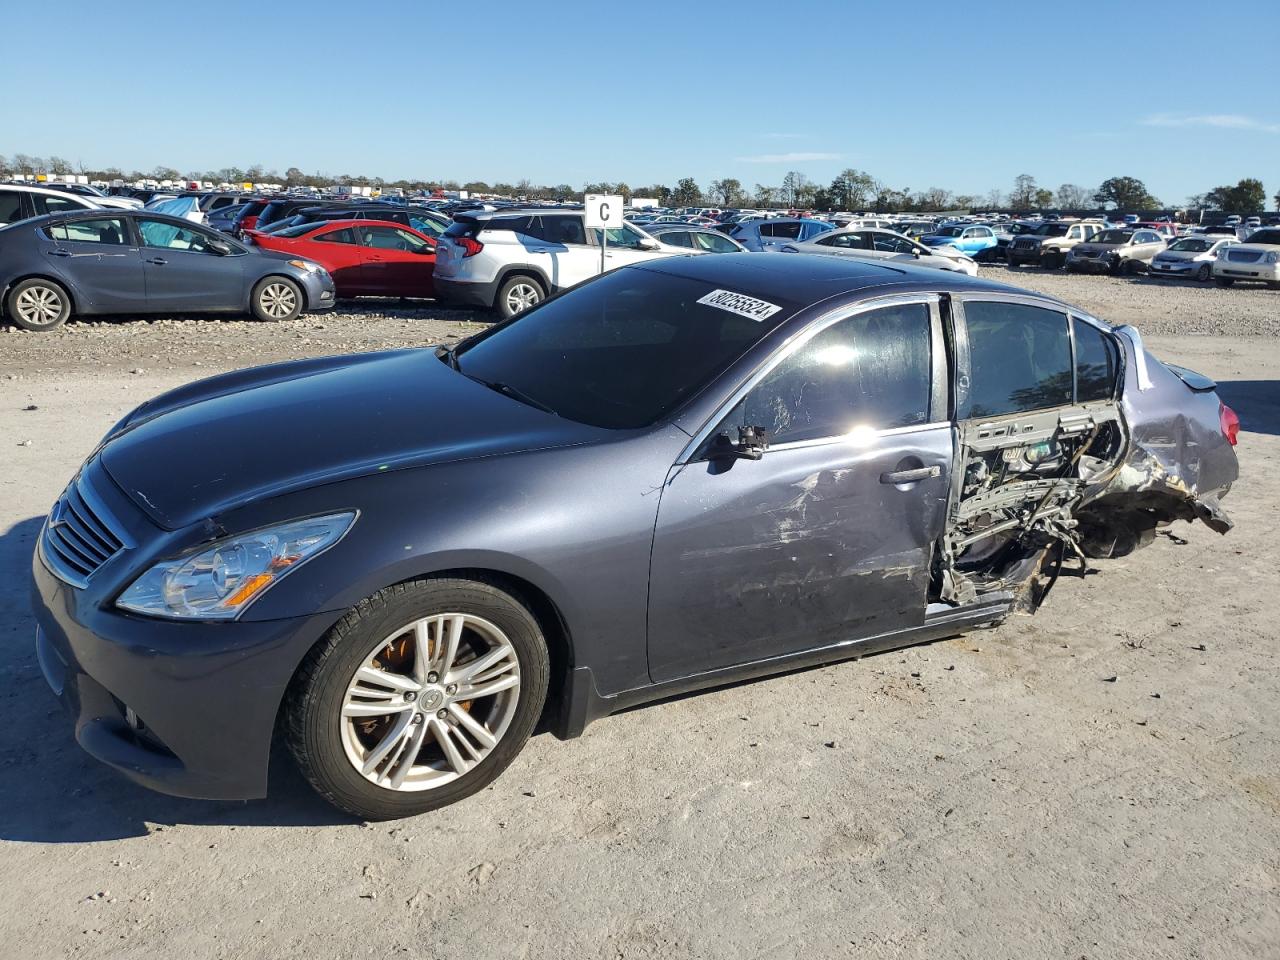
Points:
(1113, 236)
(1051, 230)
(949, 231)
(618, 352)
(1192, 245)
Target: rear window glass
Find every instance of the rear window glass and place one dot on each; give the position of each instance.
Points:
(1019, 357)
(620, 351)
(10, 207)
(1097, 363)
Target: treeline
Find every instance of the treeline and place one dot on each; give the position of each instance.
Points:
(850, 190)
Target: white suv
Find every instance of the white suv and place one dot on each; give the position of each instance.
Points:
(511, 259)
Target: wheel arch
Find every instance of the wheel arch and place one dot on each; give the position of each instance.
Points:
(546, 611)
(76, 304)
(274, 275)
(525, 270)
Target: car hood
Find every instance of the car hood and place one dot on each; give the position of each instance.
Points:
(1090, 247)
(210, 446)
(1168, 256)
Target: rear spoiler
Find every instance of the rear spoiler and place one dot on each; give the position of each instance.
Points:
(1196, 381)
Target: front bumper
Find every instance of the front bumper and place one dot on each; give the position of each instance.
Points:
(1103, 264)
(187, 709)
(1022, 255)
(319, 291)
(1175, 268)
(1259, 272)
(467, 293)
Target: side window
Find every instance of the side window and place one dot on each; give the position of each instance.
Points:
(413, 244)
(561, 229)
(170, 236)
(109, 231)
(10, 207)
(677, 238)
(623, 236)
(381, 238)
(425, 225)
(1097, 363)
(714, 242)
(781, 231)
(871, 370)
(345, 235)
(45, 204)
(888, 243)
(1019, 358)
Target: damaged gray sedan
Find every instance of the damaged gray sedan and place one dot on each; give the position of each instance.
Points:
(677, 475)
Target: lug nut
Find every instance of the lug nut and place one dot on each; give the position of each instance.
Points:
(451, 689)
(417, 718)
(410, 696)
(432, 677)
(441, 714)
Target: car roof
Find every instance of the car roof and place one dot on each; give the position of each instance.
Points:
(807, 279)
(29, 188)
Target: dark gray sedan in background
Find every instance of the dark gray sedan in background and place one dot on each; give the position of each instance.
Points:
(677, 475)
(113, 261)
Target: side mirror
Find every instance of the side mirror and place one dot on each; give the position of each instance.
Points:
(915, 252)
(220, 248)
(648, 244)
(751, 445)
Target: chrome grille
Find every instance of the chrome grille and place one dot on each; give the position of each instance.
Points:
(80, 535)
(1244, 256)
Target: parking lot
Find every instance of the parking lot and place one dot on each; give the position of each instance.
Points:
(1099, 780)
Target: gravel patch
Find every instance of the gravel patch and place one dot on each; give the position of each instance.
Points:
(171, 343)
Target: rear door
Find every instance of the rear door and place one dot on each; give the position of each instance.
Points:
(561, 242)
(101, 259)
(777, 234)
(829, 536)
(184, 273)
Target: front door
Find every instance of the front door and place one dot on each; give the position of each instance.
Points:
(828, 537)
(99, 255)
(395, 262)
(183, 270)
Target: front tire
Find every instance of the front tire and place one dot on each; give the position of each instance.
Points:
(1205, 273)
(518, 294)
(38, 305)
(419, 697)
(275, 299)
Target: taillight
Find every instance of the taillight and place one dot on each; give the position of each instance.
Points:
(1229, 421)
(469, 247)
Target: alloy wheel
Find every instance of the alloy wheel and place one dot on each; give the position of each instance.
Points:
(278, 300)
(522, 296)
(430, 702)
(39, 306)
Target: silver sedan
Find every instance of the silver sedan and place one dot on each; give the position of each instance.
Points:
(871, 244)
(1190, 257)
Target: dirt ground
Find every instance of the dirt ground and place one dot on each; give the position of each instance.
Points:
(1099, 781)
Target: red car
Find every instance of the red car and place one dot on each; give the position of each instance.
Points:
(366, 258)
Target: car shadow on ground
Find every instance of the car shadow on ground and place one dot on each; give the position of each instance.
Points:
(1256, 402)
(53, 792)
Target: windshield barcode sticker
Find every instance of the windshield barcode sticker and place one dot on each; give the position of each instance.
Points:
(740, 304)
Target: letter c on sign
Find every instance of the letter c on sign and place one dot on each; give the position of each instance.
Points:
(604, 213)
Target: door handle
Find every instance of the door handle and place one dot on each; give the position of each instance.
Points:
(911, 476)
(59, 253)
(158, 261)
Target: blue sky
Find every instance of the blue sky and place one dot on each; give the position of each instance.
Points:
(964, 96)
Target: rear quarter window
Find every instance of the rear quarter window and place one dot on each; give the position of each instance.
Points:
(1097, 363)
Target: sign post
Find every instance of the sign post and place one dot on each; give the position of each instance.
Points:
(603, 213)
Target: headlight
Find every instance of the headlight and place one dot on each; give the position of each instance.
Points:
(307, 265)
(1273, 258)
(222, 580)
